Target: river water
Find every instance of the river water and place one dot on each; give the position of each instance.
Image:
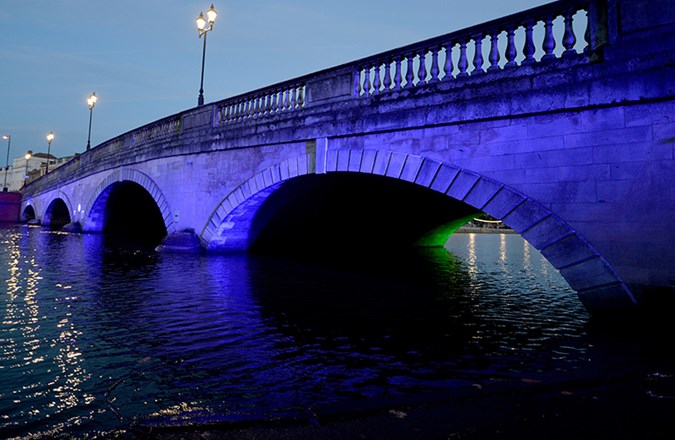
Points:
(95, 337)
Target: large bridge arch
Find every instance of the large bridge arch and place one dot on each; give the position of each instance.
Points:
(93, 215)
(229, 227)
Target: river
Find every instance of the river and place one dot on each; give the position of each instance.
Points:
(95, 336)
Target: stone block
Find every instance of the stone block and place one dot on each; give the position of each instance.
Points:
(381, 162)
(589, 274)
(526, 215)
(443, 178)
(355, 160)
(548, 231)
(331, 160)
(607, 299)
(395, 165)
(655, 113)
(609, 137)
(368, 161)
(504, 134)
(562, 124)
(557, 192)
(462, 184)
(568, 251)
(303, 165)
(664, 133)
(427, 172)
(638, 151)
(602, 119)
(482, 192)
(342, 160)
(577, 173)
(554, 158)
(505, 201)
(411, 168)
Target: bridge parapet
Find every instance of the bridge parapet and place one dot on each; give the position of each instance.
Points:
(419, 64)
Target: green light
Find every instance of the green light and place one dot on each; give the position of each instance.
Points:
(438, 236)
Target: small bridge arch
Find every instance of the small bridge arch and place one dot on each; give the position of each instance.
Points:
(59, 211)
(93, 215)
(230, 227)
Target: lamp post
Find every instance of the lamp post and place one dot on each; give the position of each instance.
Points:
(8, 138)
(202, 29)
(25, 176)
(91, 102)
(50, 138)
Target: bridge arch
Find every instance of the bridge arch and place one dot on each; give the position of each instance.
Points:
(93, 215)
(28, 213)
(229, 228)
(59, 211)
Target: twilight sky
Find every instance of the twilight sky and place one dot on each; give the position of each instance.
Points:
(143, 57)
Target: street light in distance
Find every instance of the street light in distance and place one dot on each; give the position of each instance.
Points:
(8, 138)
(50, 138)
(28, 155)
(91, 102)
(211, 14)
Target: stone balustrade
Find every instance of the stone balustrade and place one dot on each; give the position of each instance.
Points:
(486, 48)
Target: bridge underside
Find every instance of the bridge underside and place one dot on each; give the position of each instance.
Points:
(350, 211)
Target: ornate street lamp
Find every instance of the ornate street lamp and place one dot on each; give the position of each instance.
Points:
(211, 14)
(91, 102)
(25, 176)
(8, 138)
(50, 138)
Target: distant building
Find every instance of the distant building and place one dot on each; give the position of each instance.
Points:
(23, 171)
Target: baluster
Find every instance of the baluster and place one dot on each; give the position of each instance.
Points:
(494, 51)
(256, 105)
(462, 64)
(422, 71)
(285, 101)
(294, 98)
(435, 70)
(448, 67)
(366, 82)
(273, 102)
(569, 39)
(397, 74)
(409, 75)
(267, 103)
(478, 56)
(376, 81)
(549, 40)
(587, 34)
(356, 86)
(510, 48)
(528, 48)
(387, 75)
(301, 97)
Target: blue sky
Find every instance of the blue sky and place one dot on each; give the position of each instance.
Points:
(143, 57)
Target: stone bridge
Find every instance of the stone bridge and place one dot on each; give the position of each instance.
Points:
(558, 120)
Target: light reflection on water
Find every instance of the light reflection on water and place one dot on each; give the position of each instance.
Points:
(89, 331)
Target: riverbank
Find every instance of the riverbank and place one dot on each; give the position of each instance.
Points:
(484, 230)
(629, 406)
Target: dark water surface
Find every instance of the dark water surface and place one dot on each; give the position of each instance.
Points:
(94, 338)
